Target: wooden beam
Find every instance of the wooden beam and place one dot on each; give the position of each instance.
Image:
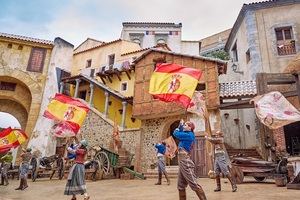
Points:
(290, 94)
(297, 78)
(117, 72)
(128, 75)
(109, 79)
(102, 79)
(236, 105)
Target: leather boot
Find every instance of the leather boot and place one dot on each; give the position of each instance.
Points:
(182, 194)
(2, 180)
(200, 193)
(167, 177)
(232, 181)
(21, 184)
(6, 181)
(218, 181)
(159, 179)
(25, 184)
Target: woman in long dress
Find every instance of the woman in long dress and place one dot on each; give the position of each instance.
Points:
(76, 178)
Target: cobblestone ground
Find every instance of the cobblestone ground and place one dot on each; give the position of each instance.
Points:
(44, 189)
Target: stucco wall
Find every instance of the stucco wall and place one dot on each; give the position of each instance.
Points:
(41, 139)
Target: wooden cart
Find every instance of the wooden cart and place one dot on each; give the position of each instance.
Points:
(259, 169)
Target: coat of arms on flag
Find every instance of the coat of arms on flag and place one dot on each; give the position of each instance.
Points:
(68, 113)
(172, 82)
(11, 138)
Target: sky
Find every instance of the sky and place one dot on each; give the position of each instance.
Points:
(76, 20)
(7, 120)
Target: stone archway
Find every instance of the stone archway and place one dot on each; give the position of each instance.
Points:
(15, 109)
(27, 94)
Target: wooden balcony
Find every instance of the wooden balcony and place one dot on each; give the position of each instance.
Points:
(286, 49)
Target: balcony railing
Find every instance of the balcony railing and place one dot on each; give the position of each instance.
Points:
(286, 49)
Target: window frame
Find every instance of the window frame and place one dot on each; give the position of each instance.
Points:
(121, 86)
(29, 65)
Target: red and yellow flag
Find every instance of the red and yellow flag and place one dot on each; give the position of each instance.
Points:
(11, 138)
(67, 109)
(172, 82)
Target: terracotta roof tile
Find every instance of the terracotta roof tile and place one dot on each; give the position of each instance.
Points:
(25, 38)
(238, 89)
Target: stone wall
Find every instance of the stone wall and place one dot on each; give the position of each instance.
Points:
(97, 130)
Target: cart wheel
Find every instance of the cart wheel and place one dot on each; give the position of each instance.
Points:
(34, 170)
(260, 179)
(237, 174)
(60, 168)
(104, 161)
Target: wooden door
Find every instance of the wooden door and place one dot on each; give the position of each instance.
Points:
(199, 157)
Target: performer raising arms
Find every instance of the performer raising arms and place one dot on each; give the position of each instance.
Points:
(186, 174)
(76, 178)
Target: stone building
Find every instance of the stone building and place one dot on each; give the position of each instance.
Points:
(264, 39)
(27, 76)
(159, 119)
(148, 34)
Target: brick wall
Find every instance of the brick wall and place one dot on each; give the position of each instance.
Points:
(279, 139)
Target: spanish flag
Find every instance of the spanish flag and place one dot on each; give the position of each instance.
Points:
(172, 82)
(11, 138)
(68, 110)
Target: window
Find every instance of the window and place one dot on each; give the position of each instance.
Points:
(9, 46)
(285, 42)
(248, 56)
(20, 47)
(234, 53)
(136, 40)
(82, 94)
(161, 41)
(36, 60)
(88, 63)
(7, 86)
(111, 59)
(124, 86)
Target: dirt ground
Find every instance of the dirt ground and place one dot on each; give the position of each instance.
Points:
(115, 189)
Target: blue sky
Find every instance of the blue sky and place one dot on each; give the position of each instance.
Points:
(75, 20)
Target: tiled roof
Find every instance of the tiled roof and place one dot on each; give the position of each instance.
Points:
(238, 89)
(179, 54)
(254, 6)
(156, 46)
(25, 38)
(152, 23)
(101, 45)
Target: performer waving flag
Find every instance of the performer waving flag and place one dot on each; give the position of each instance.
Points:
(172, 82)
(69, 112)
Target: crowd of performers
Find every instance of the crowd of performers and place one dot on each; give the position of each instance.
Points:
(77, 152)
(186, 173)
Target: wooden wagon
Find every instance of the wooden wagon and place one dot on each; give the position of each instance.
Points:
(259, 169)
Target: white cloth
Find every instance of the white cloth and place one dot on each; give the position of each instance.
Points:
(274, 110)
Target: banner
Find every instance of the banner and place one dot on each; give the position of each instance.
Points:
(67, 111)
(11, 138)
(198, 105)
(274, 110)
(171, 147)
(172, 82)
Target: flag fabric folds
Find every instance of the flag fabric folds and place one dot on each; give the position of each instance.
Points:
(67, 111)
(172, 82)
(11, 138)
(171, 147)
(274, 110)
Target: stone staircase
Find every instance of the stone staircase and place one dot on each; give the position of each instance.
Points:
(244, 153)
(153, 173)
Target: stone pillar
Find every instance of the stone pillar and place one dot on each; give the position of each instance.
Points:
(76, 88)
(91, 95)
(106, 103)
(124, 103)
(61, 88)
